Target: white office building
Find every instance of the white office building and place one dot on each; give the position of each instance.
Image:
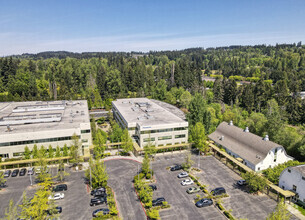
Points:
(151, 122)
(43, 123)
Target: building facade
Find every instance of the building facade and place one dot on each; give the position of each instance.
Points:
(293, 178)
(254, 151)
(43, 123)
(150, 123)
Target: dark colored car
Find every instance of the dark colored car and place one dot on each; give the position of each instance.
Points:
(7, 173)
(61, 187)
(204, 202)
(22, 172)
(98, 201)
(57, 210)
(15, 173)
(105, 212)
(101, 189)
(99, 194)
(218, 191)
(153, 187)
(158, 201)
(176, 167)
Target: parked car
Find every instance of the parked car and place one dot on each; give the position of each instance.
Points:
(98, 194)
(56, 210)
(183, 175)
(158, 201)
(193, 190)
(241, 182)
(176, 167)
(22, 172)
(98, 201)
(15, 173)
(7, 173)
(187, 182)
(96, 212)
(218, 191)
(31, 171)
(153, 187)
(61, 187)
(102, 189)
(204, 202)
(57, 196)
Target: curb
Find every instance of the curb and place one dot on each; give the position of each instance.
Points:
(121, 159)
(116, 205)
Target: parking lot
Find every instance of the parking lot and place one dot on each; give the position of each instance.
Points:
(75, 205)
(169, 187)
(214, 174)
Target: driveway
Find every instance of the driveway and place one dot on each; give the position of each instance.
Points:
(121, 173)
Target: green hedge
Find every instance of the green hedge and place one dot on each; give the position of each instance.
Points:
(220, 206)
(228, 214)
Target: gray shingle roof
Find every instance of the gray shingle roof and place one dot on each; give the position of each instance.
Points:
(246, 144)
(300, 169)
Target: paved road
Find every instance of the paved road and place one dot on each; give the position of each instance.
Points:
(169, 187)
(121, 173)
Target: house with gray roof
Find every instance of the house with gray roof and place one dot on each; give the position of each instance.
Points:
(293, 178)
(254, 151)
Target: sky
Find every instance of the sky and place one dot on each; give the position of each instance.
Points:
(34, 26)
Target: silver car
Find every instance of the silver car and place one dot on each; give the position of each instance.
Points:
(183, 175)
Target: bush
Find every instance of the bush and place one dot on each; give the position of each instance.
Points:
(229, 215)
(153, 214)
(220, 206)
(165, 205)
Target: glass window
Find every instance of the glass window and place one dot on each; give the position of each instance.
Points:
(164, 138)
(180, 136)
(148, 139)
(180, 129)
(85, 131)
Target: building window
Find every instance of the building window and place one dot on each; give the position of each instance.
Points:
(289, 171)
(17, 154)
(180, 129)
(84, 140)
(180, 136)
(258, 168)
(148, 139)
(294, 188)
(164, 138)
(132, 129)
(85, 131)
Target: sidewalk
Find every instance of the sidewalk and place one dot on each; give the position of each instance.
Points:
(294, 211)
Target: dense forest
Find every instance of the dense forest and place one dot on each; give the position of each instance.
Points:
(255, 86)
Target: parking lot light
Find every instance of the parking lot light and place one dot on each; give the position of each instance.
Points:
(31, 179)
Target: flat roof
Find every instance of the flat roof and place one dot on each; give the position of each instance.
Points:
(146, 112)
(42, 116)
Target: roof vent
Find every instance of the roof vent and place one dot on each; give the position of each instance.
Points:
(246, 130)
(231, 123)
(222, 138)
(266, 138)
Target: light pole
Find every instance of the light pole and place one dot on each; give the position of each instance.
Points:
(31, 178)
(151, 169)
(198, 158)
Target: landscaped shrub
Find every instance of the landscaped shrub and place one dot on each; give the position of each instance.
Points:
(220, 206)
(153, 214)
(165, 205)
(229, 215)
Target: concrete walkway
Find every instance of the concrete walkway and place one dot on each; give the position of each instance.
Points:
(294, 211)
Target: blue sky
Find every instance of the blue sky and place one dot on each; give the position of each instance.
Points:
(142, 25)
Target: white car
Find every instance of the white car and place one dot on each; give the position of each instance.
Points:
(241, 182)
(187, 182)
(183, 175)
(57, 196)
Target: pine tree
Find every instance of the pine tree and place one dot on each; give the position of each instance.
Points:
(27, 153)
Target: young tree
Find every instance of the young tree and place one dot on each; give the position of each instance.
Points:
(127, 144)
(42, 152)
(145, 165)
(115, 133)
(185, 99)
(57, 152)
(51, 152)
(44, 170)
(65, 151)
(27, 153)
(61, 172)
(97, 173)
(188, 161)
(75, 150)
(280, 213)
(11, 213)
(100, 147)
(35, 152)
(198, 137)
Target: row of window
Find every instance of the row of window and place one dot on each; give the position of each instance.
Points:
(85, 131)
(163, 130)
(163, 138)
(36, 141)
(148, 139)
